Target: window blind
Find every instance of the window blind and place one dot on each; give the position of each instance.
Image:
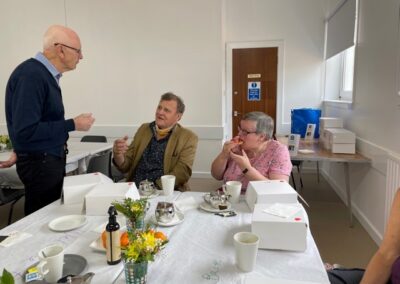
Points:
(341, 28)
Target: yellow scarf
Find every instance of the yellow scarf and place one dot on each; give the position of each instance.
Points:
(161, 133)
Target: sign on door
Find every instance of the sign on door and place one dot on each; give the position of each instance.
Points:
(254, 91)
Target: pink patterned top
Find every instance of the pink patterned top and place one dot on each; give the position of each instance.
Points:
(275, 159)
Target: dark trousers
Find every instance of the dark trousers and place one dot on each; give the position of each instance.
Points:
(43, 176)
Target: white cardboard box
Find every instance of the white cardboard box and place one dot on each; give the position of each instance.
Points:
(99, 199)
(330, 122)
(76, 187)
(278, 232)
(340, 135)
(269, 191)
(343, 148)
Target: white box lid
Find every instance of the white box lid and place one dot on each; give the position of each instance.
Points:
(340, 135)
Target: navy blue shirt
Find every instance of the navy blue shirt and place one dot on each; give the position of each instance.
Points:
(151, 165)
(35, 111)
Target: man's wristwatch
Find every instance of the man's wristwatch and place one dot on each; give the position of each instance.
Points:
(245, 171)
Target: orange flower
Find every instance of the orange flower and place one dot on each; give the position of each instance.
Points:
(124, 240)
(160, 235)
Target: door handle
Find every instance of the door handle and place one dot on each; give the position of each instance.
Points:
(236, 113)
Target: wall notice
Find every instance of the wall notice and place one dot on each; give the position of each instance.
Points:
(254, 91)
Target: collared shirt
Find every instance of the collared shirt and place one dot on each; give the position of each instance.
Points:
(151, 165)
(52, 69)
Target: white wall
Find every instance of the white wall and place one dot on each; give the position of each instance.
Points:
(375, 113)
(135, 50)
(300, 24)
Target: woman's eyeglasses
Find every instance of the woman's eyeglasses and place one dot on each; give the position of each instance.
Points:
(245, 132)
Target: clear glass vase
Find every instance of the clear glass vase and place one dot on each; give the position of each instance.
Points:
(135, 272)
(133, 225)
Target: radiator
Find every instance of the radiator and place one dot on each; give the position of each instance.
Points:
(392, 183)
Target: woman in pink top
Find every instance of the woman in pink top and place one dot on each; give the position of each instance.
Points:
(253, 155)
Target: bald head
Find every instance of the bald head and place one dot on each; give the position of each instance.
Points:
(62, 47)
(59, 34)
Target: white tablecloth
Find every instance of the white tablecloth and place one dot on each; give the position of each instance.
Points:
(200, 249)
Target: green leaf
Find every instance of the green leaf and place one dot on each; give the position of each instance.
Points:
(7, 278)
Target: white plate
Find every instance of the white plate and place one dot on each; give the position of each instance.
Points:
(67, 223)
(207, 207)
(178, 218)
(97, 245)
(306, 151)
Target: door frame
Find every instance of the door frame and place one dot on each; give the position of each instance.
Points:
(228, 87)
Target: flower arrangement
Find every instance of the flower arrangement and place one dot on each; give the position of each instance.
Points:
(143, 245)
(6, 142)
(132, 209)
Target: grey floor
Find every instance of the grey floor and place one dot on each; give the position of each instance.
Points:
(337, 243)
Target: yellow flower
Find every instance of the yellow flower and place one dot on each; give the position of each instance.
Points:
(149, 240)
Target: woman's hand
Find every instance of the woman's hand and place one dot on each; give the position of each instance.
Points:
(229, 146)
(242, 160)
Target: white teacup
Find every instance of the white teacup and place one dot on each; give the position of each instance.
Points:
(168, 184)
(51, 263)
(246, 247)
(233, 189)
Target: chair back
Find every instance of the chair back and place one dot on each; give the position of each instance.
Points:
(94, 138)
(100, 163)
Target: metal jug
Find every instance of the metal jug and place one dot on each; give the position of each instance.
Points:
(146, 187)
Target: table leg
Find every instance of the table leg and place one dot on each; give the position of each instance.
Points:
(348, 192)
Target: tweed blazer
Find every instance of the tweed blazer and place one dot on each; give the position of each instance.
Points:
(178, 157)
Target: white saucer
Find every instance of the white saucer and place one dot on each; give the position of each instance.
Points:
(207, 207)
(67, 223)
(178, 218)
(154, 194)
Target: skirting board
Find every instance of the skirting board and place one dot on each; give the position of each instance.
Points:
(341, 192)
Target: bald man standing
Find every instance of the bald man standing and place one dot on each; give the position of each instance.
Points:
(35, 117)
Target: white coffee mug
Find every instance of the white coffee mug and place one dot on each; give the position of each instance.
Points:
(233, 189)
(168, 184)
(51, 263)
(246, 247)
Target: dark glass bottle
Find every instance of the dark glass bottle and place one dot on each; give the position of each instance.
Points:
(113, 238)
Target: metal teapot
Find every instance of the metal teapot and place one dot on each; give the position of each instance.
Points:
(165, 212)
(216, 199)
(146, 187)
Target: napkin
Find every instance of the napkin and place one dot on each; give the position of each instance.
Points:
(186, 204)
(14, 237)
(282, 210)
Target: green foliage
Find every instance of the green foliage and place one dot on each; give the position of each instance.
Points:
(132, 209)
(4, 139)
(6, 278)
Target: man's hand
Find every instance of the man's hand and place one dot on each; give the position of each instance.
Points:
(119, 149)
(83, 122)
(10, 162)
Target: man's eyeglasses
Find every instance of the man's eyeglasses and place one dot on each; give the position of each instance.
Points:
(244, 132)
(79, 51)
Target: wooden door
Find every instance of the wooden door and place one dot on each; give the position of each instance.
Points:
(254, 82)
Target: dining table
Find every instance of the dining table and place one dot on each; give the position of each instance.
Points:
(79, 154)
(200, 247)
